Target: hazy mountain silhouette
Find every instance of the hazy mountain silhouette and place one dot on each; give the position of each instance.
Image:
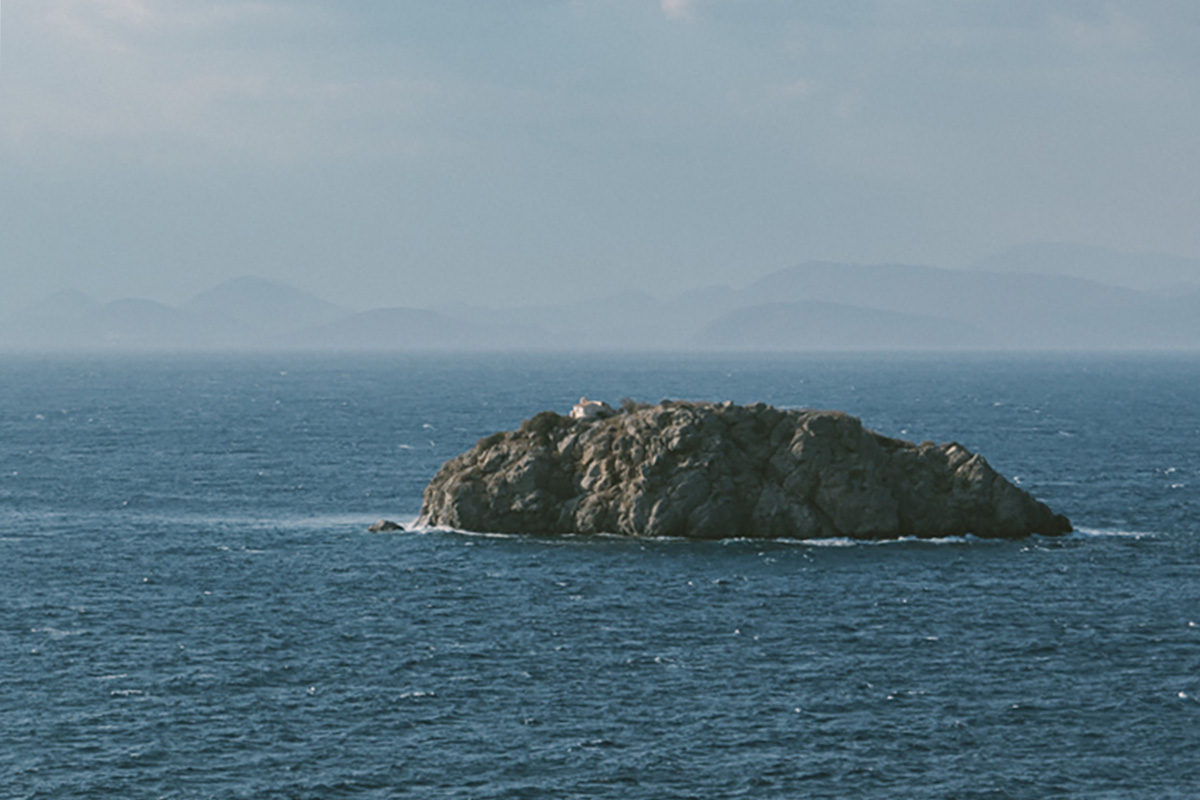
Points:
(1014, 310)
(620, 321)
(826, 305)
(412, 329)
(1143, 271)
(136, 324)
(815, 325)
(263, 306)
(71, 321)
(238, 314)
(815, 305)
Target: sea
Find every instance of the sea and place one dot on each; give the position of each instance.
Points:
(191, 605)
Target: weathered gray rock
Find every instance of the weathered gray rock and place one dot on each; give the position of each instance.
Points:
(710, 471)
(383, 526)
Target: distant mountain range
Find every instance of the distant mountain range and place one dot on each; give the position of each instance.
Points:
(249, 313)
(1032, 297)
(1153, 272)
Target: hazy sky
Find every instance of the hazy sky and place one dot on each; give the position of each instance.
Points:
(385, 152)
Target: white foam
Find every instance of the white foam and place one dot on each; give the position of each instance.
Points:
(58, 633)
(1111, 532)
(457, 532)
(832, 541)
(845, 541)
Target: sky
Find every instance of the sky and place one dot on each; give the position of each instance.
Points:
(412, 153)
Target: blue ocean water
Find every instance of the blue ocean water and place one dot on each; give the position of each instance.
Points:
(190, 605)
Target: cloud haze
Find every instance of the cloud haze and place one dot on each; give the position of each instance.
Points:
(676, 9)
(406, 153)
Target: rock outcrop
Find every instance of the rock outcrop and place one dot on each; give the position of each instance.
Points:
(709, 471)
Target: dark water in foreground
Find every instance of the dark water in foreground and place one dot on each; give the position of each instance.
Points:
(190, 607)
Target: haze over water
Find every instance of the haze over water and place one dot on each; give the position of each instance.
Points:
(405, 154)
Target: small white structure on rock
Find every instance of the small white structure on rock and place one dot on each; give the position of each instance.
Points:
(591, 409)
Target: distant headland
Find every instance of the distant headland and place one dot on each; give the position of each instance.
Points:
(719, 470)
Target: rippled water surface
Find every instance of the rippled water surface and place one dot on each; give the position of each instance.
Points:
(190, 605)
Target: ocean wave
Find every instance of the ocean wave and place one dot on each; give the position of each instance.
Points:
(291, 521)
(1100, 533)
(832, 541)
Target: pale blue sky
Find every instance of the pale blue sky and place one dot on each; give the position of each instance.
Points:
(382, 152)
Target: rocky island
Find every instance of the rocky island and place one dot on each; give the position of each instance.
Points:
(719, 470)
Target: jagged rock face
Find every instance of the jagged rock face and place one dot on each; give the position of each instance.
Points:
(712, 471)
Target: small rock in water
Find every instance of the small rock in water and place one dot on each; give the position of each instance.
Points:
(383, 525)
